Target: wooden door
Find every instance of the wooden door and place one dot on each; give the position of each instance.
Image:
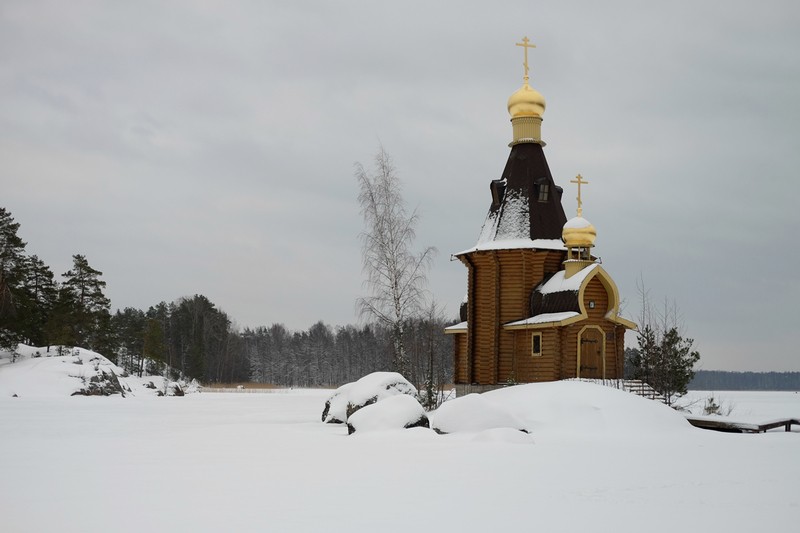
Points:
(591, 354)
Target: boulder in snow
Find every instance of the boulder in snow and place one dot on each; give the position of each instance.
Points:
(101, 380)
(375, 387)
(335, 411)
(396, 412)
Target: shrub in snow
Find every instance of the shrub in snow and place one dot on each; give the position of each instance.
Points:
(174, 389)
(713, 408)
(375, 387)
(397, 412)
(335, 411)
(473, 412)
(192, 387)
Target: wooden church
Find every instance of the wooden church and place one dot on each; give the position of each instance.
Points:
(539, 306)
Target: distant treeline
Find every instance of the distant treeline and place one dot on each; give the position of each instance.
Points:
(192, 337)
(722, 380)
(196, 339)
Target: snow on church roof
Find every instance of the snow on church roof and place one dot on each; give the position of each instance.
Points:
(461, 326)
(544, 318)
(559, 283)
(509, 228)
(511, 221)
(515, 244)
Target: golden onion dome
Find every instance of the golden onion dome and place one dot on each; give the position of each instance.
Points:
(578, 232)
(526, 102)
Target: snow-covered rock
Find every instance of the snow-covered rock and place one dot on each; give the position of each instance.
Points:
(397, 412)
(473, 412)
(335, 411)
(29, 371)
(104, 381)
(57, 371)
(368, 390)
(375, 387)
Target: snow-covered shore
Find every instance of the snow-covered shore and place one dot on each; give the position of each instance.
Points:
(264, 462)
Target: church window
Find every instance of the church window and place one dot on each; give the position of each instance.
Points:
(536, 345)
(544, 192)
(498, 188)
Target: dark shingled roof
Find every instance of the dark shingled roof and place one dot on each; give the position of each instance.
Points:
(553, 302)
(526, 174)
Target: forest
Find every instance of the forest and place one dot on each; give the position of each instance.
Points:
(192, 338)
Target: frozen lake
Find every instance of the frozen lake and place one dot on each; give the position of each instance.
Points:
(264, 462)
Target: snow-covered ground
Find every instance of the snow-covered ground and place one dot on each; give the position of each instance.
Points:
(596, 459)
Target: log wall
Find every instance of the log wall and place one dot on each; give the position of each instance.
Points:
(500, 284)
(460, 367)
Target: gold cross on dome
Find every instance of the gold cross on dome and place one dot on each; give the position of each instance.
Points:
(524, 44)
(579, 181)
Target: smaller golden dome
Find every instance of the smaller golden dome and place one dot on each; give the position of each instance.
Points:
(526, 102)
(578, 232)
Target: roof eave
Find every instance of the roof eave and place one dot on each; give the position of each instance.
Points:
(544, 325)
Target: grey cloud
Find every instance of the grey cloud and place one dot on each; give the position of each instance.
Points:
(209, 147)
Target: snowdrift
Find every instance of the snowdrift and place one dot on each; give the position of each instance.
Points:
(576, 406)
(560, 406)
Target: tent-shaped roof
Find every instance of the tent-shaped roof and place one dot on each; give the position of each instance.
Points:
(526, 209)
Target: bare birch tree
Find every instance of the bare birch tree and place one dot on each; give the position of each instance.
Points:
(396, 277)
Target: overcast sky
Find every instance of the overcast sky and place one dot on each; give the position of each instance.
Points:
(208, 147)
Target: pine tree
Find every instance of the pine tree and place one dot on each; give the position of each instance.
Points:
(82, 290)
(12, 262)
(665, 361)
(128, 327)
(154, 347)
(59, 330)
(39, 293)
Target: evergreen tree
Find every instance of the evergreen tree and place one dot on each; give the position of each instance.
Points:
(154, 347)
(665, 361)
(128, 327)
(59, 330)
(39, 294)
(161, 313)
(12, 262)
(82, 290)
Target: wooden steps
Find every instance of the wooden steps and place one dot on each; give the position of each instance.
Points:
(634, 386)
